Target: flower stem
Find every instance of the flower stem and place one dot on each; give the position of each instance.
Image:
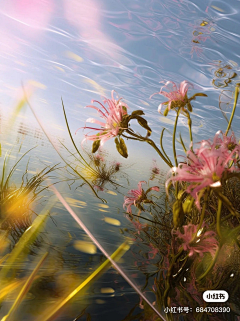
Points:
(190, 129)
(169, 273)
(203, 211)
(211, 265)
(150, 142)
(234, 108)
(174, 137)
(219, 217)
(161, 144)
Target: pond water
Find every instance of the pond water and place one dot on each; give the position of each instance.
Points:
(80, 51)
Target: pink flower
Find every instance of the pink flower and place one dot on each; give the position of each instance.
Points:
(112, 116)
(98, 159)
(137, 196)
(206, 166)
(177, 96)
(194, 241)
(117, 166)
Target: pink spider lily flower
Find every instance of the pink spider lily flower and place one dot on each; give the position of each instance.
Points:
(206, 166)
(137, 196)
(112, 116)
(196, 242)
(176, 95)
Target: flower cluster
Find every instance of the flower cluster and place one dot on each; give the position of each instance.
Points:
(207, 170)
(208, 165)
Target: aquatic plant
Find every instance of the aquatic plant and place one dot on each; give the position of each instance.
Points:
(99, 170)
(18, 255)
(200, 215)
(16, 200)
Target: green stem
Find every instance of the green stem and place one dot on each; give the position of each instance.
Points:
(169, 275)
(144, 218)
(234, 232)
(203, 210)
(174, 137)
(150, 142)
(53, 144)
(211, 265)
(226, 217)
(219, 217)
(70, 134)
(190, 129)
(161, 144)
(234, 108)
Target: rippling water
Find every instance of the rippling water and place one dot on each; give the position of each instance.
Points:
(81, 50)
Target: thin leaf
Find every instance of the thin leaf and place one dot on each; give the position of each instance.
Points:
(52, 314)
(21, 249)
(14, 167)
(50, 140)
(161, 144)
(69, 131)
(182, 143)
(9, 288)
(227, 203)
(95, 241)
(25, 289)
